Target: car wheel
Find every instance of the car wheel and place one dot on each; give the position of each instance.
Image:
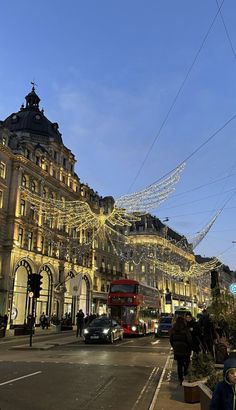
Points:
(112, 338)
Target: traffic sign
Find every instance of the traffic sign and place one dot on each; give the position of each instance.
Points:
(232, 288)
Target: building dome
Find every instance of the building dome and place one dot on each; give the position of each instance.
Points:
(31, 119)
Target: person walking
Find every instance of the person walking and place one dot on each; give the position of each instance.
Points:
(79, 323)
(223, 397)
(42, 320)
(4, 324)
(194, 329)
(181, 341)
(208, 332)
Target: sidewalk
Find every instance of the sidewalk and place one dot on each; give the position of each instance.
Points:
(64, 338)
(171, 394)
(38, 332)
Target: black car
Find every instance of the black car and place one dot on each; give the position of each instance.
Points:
(103, 329)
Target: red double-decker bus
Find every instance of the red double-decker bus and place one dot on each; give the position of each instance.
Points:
(134, 305)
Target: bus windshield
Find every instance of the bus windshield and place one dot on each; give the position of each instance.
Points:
(124, 314)
(123, 288)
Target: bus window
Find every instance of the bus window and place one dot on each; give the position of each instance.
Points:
(124, 314)
(129, 315)
(123, 288)
(182, 312)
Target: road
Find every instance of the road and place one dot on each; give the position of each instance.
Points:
(62, 373)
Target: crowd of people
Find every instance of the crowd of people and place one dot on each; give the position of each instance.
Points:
(205, 335)
(189, 335)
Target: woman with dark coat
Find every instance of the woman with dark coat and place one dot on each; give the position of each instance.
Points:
(224, 395)
(181, 341)
(194, 329)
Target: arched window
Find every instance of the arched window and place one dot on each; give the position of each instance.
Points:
(24, 181)
(33, 186)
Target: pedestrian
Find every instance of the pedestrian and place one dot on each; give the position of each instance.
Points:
(79, 323)
(208, 332)
(224, 394)
(181, 341)
(194, 329)
(42, 320)
(4, 321)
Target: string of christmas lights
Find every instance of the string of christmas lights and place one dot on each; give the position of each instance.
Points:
(152, 196)
(201, 235)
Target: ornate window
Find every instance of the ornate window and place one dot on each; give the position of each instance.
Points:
(20, 236)
(1, 199)
(24, 181)
(22, 207)
(2, 169)
(30, 241)
(33, 186)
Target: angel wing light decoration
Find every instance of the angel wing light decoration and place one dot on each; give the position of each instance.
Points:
(78, 214)
(126, 210)
(152, 196)
(201, 235)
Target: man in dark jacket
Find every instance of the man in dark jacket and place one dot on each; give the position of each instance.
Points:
(224, 396)
(208, 333)
(79, 323)
(194, 329)
(181, 341)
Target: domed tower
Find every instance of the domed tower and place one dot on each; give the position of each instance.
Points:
(31, 121)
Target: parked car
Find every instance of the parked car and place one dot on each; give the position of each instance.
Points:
(163, 326)
(103, 329)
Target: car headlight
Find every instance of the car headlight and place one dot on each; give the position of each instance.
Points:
(86, 331)
(134, 328)
(105, 331)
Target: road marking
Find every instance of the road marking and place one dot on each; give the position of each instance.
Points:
(124, 343)
(155, 343)
(160, 382)
(153, 372)
(19, 378)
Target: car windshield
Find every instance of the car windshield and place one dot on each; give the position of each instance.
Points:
(166, 320)
(100, 322)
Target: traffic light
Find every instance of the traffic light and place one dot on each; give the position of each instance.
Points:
(34, 284)
(30, 282)
(38, 285)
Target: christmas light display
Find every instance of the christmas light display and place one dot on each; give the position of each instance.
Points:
(201, 235)
(152, 196)
(78, 214)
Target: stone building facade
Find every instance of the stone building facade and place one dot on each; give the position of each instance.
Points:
(33, 156)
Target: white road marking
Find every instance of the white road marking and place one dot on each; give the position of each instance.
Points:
(19, 378)
(155, 343)
(154, 371)
(160, 382)
(124, 343)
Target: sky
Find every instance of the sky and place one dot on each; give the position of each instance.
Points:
(136, 88)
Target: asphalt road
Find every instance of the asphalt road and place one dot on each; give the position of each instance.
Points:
(75, 376)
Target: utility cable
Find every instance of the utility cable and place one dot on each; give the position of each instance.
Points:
(226, 30)
(177, 95)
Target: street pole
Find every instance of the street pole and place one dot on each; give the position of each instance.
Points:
(31, 321)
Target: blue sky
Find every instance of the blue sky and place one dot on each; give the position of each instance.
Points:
(108, 72)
